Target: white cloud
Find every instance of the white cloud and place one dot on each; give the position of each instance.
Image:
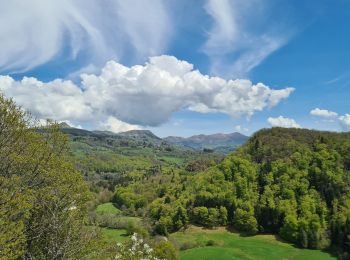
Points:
(59, 100)
(282, 122)
(140, 95)
(239, 30)
(115, 125)
(323, 113)
(37, 31)
(343, 120)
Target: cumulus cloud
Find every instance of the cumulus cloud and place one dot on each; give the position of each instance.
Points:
(323, 113)
(36, 31)
(115, 125)
(234, 35)
(282, 122)
(60, 100)
(343, 120)
(144, 95)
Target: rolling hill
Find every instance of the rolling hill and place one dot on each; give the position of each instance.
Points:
(222, 143)
(219, 143)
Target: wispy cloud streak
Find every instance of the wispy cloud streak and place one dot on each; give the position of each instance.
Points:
(35, 32)
(240, 39)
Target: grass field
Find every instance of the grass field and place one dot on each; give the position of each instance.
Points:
(107, 208)
(114, 235)
(227, 245)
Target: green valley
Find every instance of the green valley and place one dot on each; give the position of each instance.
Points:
(281, 181)
(283, 194)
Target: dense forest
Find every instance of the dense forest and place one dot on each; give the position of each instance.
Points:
(62, 189)
(292, 182)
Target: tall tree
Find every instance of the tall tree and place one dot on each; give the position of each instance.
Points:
(42, 197)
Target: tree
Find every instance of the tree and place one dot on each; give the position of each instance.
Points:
(290, 229)
(200, 215)
(213, 217)
(180, 219)
(245, 221)
(43, 198)
(223, 215)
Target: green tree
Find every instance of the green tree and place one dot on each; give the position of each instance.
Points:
(223, 215)
(245, 221)
(43, 198)
(290, 229)
(200, 215)
(180, 219)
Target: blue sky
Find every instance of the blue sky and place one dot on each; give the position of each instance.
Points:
(282, 44)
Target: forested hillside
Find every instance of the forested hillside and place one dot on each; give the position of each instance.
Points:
(107, 159)
(291, 182)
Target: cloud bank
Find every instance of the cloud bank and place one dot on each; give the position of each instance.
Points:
(145, 95)
(282, 122)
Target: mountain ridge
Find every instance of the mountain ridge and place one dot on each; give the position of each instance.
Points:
(218, 142)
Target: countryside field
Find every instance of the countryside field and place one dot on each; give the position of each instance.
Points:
(226, 245)
(206, 244)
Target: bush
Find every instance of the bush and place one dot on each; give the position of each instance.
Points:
(134, 227)
(188, 245)
(166, 250)
(107, 220)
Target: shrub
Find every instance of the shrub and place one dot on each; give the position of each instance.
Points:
(188, 245)
(166, 250)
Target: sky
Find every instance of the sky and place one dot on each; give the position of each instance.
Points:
(179, 67)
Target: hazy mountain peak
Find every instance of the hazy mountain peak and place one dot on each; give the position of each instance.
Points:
(219, 142)
(64, 125)
(139, 133)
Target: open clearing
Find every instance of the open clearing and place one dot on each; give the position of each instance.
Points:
(226, 245)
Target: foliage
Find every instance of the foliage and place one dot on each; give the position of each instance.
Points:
(291, 182)
(138, 248)
(43, 198)
(135, 249)
(165, 250)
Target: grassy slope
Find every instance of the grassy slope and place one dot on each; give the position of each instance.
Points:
(111, 234)
(107, 208)
(114, 235)
(233, 246)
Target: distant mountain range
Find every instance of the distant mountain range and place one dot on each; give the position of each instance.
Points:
(220, 143)
(223, 143)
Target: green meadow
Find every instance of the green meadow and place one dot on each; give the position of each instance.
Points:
(204, 244)
(115, 235)
(107, 208)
